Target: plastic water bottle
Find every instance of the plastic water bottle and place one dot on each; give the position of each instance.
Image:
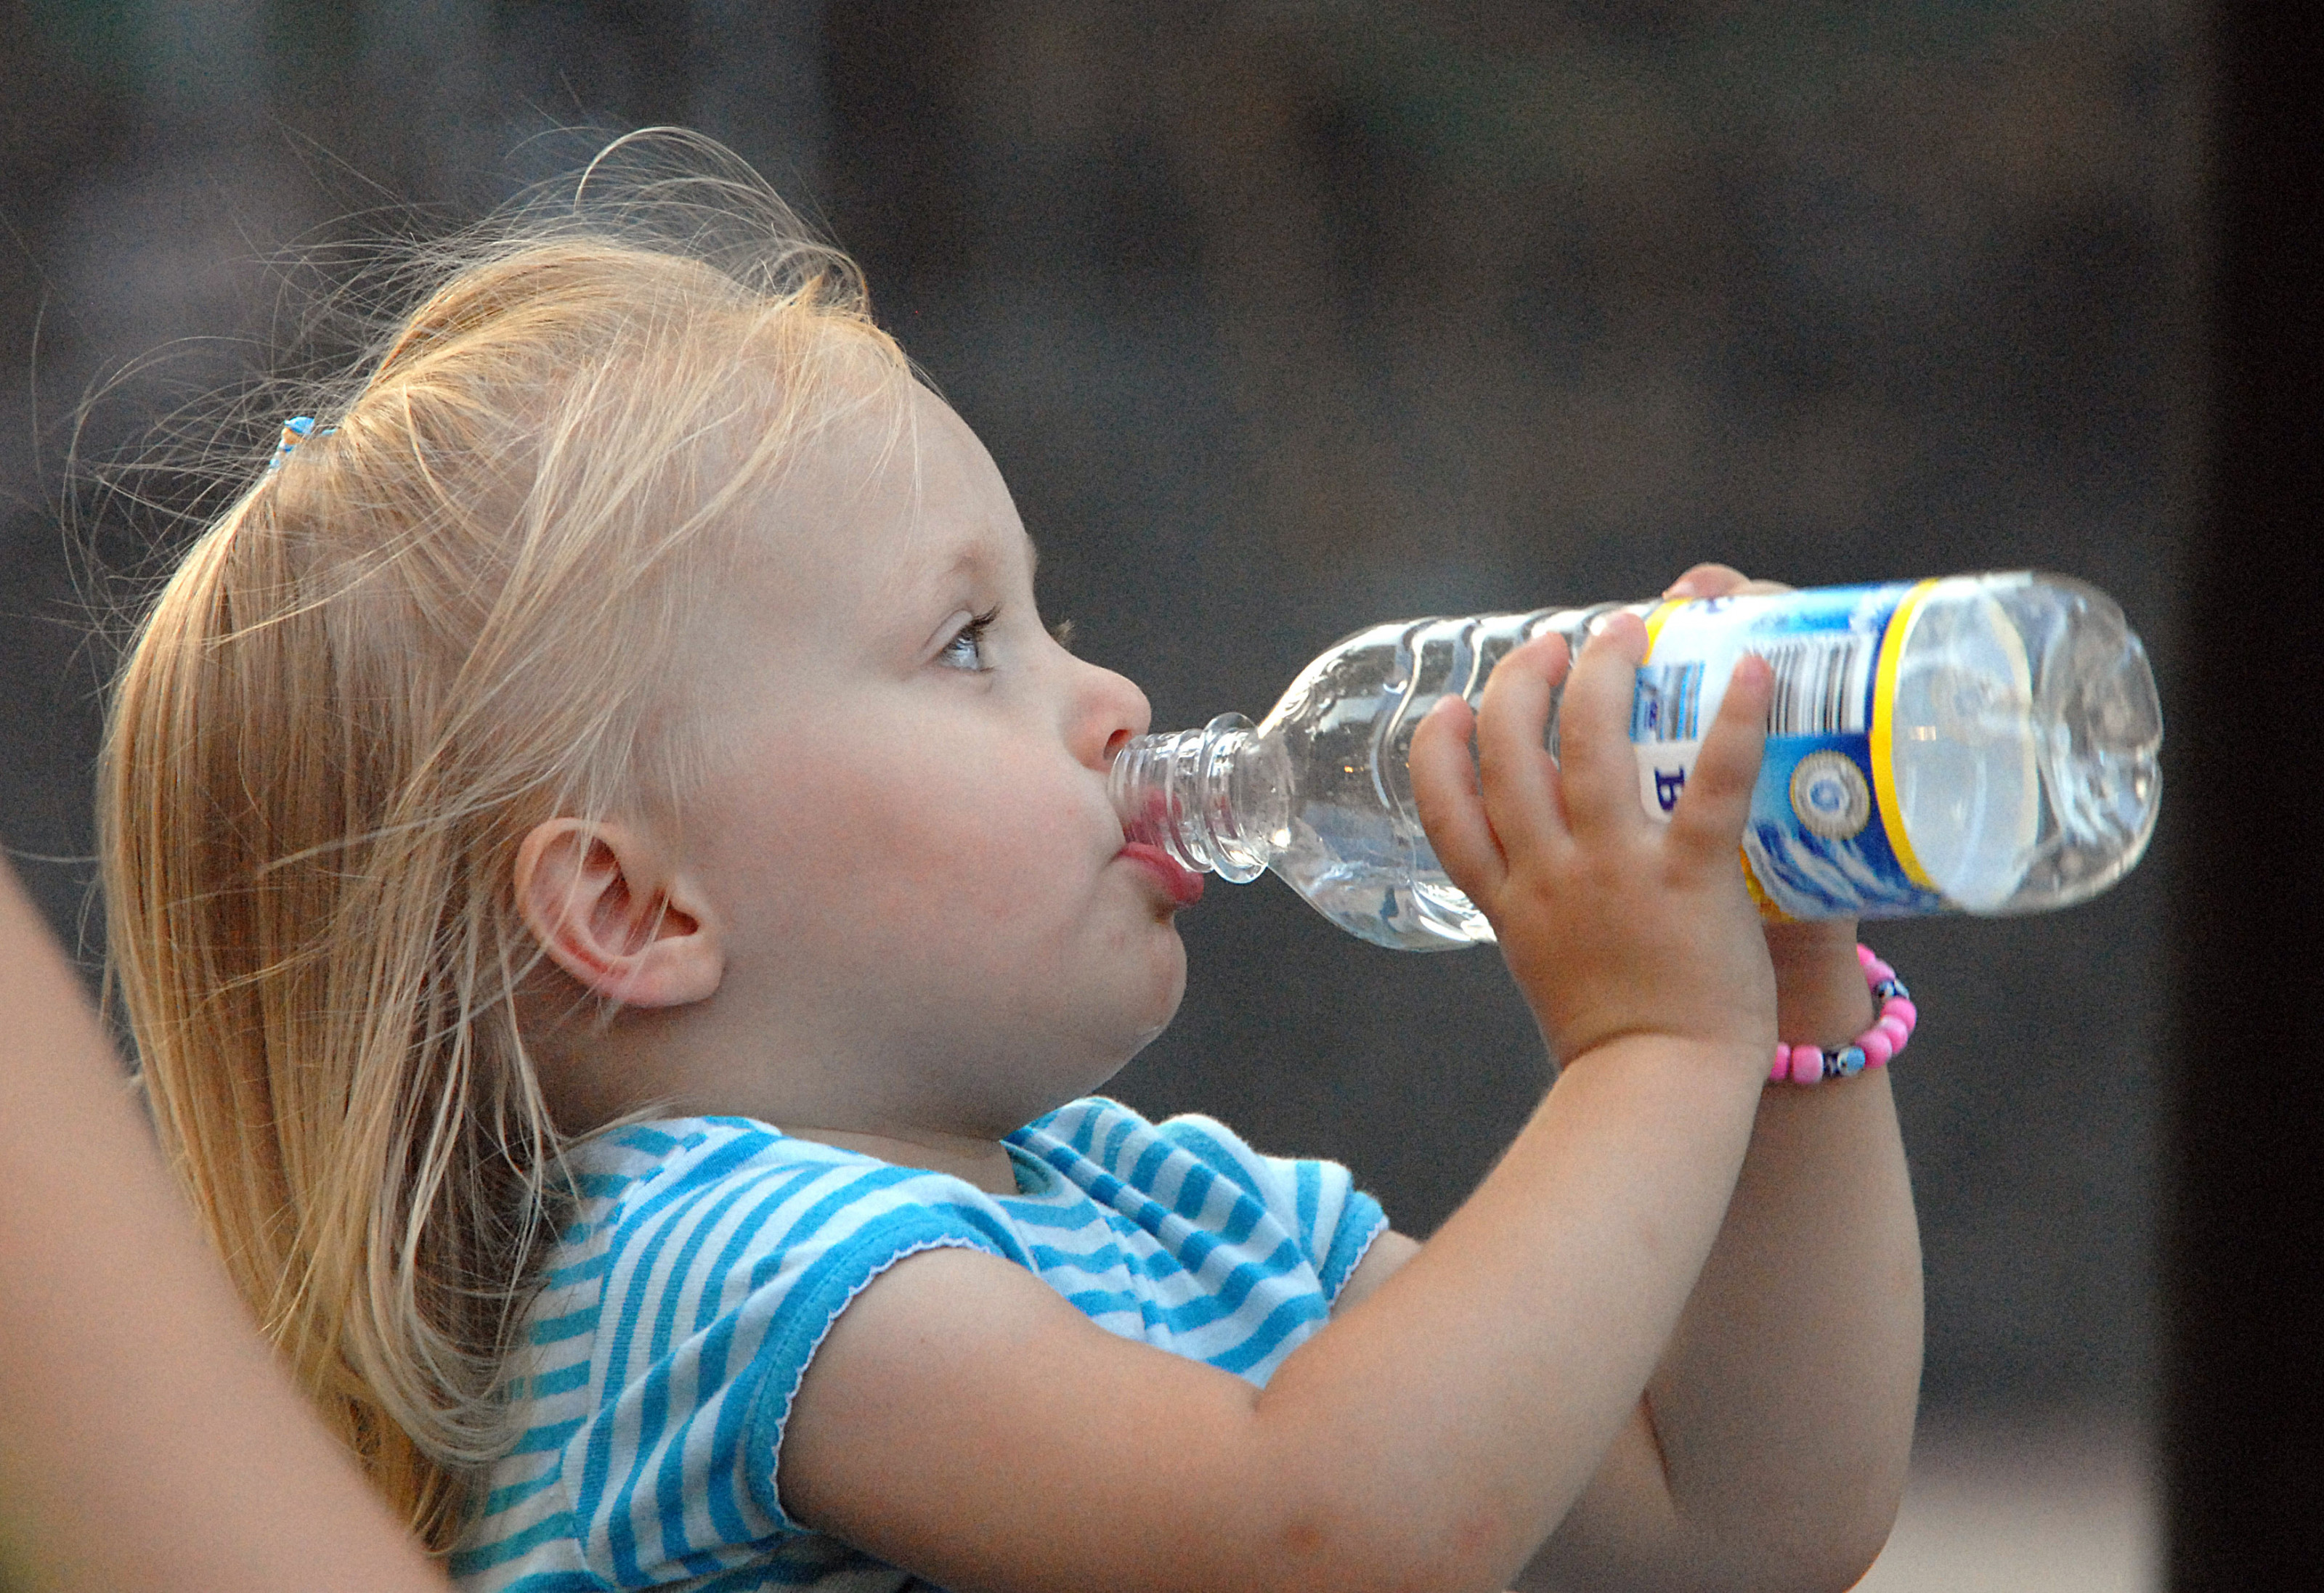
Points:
(1980, 743)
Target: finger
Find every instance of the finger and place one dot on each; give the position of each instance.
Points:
(1597, 771)
(1452, 805)
(1705, 580)
(1712, 810)
(1516, 777)
(1720, 580)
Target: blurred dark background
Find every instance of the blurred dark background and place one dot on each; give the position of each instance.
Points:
(1285, 318)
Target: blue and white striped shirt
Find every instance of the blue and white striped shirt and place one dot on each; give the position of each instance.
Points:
(711, 1256)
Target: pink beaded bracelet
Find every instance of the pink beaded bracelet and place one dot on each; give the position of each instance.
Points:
(1811, 1064)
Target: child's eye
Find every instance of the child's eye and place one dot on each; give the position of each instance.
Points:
(965, 651)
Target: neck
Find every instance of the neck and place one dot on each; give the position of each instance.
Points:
(676, 1062)
(983, 1162)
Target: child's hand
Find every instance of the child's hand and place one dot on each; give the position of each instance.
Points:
(1614, 925)
(1819, 985)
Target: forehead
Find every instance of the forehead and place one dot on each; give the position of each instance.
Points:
(943, 500)
(891, 503)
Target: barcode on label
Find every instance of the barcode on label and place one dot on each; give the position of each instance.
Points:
(1669, 704)
(1820, 686)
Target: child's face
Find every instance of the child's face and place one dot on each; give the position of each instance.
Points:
(905, 833)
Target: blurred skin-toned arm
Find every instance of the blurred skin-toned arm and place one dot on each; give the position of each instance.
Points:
(147, 1441)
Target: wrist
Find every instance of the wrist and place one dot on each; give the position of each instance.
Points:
(1806, 1062)
(1738, 1061)
(1821, 994)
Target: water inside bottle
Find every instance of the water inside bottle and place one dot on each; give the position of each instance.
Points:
(2024, 753)
(1964, 757)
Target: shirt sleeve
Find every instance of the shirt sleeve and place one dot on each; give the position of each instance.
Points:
(724, 1283)
(1318, 1201)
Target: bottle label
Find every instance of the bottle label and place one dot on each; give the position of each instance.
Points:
(1824, 839)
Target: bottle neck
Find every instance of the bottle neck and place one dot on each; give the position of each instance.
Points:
(1214, 799)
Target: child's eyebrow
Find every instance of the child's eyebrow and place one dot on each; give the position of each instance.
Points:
(980, 555)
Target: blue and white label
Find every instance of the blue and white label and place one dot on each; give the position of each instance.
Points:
(1816, 844)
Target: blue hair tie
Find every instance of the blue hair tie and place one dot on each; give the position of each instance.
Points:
(295, 430)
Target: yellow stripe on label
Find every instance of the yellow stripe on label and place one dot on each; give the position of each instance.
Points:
(1768, 911)
(1884, 733)
(1654, 617)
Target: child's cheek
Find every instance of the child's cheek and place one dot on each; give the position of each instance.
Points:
(901, 835)
(904, 844)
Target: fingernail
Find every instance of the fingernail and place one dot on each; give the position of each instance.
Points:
(1681, 588)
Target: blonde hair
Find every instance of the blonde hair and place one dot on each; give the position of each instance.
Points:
(460, 612)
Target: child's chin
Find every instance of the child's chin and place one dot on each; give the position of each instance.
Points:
(1158, 1018)
(1170, 1009)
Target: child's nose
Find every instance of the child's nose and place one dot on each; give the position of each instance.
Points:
(1112, 711)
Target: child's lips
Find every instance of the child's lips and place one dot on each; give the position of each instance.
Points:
(1180, 883)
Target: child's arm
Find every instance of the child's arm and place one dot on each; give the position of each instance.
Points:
(966, 1421)
(1770, 1445)
(1779, 1422)
(1785, 1407)
(1770, 1449)
(1784, 1404)
(148, 1439)
(1773, 1437)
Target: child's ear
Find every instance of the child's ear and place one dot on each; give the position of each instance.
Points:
(610, 909)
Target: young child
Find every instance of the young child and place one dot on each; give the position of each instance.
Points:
(616, 893)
